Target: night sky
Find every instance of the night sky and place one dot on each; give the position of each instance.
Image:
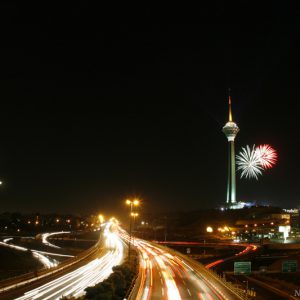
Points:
(96, 107)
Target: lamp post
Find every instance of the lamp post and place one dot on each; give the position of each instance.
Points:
(133, 215)
(131, 203)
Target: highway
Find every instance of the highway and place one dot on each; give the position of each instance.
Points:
(248, 249)
(74, 282)
(166, 274)
(42, 256)
(46, 235)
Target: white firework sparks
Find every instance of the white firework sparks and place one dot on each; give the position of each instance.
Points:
(249, 163)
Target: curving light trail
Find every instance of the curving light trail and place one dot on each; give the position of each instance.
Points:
(46, 235)
(6, 244)
(247, 250)
(75, 282)
(47, 262)
(169, 276)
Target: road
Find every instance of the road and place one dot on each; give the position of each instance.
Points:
(73, 283)
(248, 248)
(165, 274)
(42, 256)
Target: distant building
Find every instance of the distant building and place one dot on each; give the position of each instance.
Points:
(294, 217)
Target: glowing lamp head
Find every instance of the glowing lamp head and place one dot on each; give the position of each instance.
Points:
(128, 202)
(136, 202)
(209, 229)
(101, 218)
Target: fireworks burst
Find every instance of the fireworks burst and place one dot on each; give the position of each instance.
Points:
(253, 161)
(267, 156)
(249, 163)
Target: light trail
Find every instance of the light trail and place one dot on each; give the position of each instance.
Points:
(47, 262)
(174, 279)
(75, 282)
(169, 275)
(13, 246)
(247, 250)
(46, 235)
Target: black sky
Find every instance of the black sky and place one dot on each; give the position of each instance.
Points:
(96, 108)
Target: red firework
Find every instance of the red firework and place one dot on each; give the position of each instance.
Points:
(267, 156)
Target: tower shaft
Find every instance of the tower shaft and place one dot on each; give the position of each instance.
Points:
(231, 181)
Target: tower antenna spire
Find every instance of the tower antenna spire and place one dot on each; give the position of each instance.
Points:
(229, 103)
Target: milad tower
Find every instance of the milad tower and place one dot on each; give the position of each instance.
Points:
(231, 130)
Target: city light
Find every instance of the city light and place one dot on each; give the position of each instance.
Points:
(101, 218)
(285, 230)
(209, 229)
(134, 202)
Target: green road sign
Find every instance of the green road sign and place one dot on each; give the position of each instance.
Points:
(242, 267)
(289, 266)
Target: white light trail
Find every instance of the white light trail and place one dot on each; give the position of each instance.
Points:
(75, 282)
(48, 263)
(178, 278)
(46, 235)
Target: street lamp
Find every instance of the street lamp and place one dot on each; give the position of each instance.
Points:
(131, 203)
(133, 215)
(209, 229)
(100, 218)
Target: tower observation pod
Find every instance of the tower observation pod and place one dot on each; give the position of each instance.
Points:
(231, 130)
